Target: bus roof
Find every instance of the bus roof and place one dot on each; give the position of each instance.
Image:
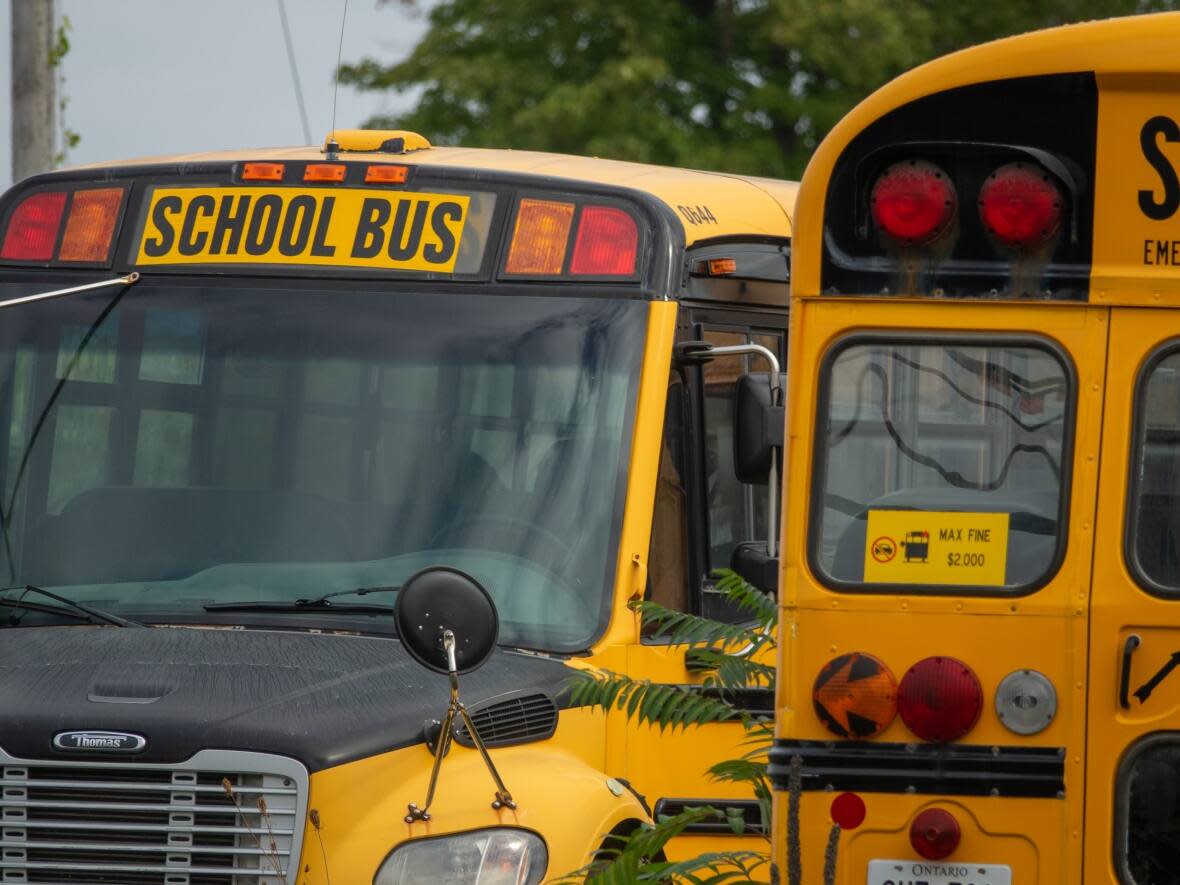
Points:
(741, 205)
(1135, 66)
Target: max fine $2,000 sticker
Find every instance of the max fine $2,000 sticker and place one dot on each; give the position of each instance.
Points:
(936, 547)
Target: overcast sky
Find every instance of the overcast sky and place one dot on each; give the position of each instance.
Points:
(147, 77)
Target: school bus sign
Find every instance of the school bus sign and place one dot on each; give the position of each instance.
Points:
(933, 547)
(337, 227)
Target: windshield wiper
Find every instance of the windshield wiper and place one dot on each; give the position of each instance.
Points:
(318, 604)
(72, 290)
(77, 609)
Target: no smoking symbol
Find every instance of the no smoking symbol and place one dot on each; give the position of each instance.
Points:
(884, 549)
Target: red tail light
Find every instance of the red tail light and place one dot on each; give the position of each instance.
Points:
(1020, 205)
(940, 699)
(935, 833)
(913, 202)
(32, 230)
(607, 244)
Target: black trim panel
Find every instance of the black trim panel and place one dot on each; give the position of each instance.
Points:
(751, 813)
(938, 769)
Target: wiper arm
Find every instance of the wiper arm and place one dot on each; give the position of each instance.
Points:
(86, 612)
(318, 604)
(72, 290)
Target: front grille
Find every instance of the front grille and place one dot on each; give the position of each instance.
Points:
(517, 720)
(222, 818)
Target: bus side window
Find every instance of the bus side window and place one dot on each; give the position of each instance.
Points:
(736, 511)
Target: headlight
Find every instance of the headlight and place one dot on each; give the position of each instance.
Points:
(481, 857)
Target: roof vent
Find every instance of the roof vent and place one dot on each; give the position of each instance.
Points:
(384, 141)
(516, 720)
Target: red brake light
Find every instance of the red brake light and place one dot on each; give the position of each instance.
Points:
(1020, 205)
(913, 202)
(607, 244)
(935, 833)
(940, 699)
(32, 230)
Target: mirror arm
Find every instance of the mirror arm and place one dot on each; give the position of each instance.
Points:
(776, 398)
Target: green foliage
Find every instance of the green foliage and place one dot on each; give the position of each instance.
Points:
(737, 85)
(57, 52)
(731, 650)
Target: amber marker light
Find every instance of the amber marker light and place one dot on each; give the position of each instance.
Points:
(719, 267)
(91, 224)
(386, 174)
(855, 696)
(262, 172)
(540, 238)
(324, 172)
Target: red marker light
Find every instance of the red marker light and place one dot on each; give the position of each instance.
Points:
(32, 229)
(940, 699)
(935, 833)
(607, 243)
(848, 811)
(913, 202)
(1020, 205)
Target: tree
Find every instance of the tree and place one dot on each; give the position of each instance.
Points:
(735, 85)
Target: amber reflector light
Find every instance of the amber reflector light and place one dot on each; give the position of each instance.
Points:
(91, 225)
(935, 833)
(539, 241)
(324, 172)
(855, 696)
(940, 699)
(721, 266)
(32, 229)
(386, 174)
(262, 172)
(607, 245)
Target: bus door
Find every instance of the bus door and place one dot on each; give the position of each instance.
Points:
(1133, 753)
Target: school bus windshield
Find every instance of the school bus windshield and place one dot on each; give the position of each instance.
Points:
(179, 445)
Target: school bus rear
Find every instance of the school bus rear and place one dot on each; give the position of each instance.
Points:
(980, 574)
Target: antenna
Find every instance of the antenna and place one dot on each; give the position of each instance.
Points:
(331, 147)
(294, 71)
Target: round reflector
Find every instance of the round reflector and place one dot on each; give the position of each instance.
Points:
(913, 202)
(1020, 205)
(935, 833)
(848, 810)
(1026, 702)
(855, 696)
(940, 699)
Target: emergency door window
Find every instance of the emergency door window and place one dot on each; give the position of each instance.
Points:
(1147, 837)
(1153, 542)
(940, 465)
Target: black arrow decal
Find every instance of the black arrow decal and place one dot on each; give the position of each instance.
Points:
(1144, 691)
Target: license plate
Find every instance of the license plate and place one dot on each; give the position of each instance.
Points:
(926, 872)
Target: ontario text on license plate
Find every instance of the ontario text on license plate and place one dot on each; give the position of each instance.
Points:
(928, 872)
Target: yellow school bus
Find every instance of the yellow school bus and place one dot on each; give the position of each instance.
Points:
(981, 576)
(249, 397)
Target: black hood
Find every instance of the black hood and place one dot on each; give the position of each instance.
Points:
(322, 699)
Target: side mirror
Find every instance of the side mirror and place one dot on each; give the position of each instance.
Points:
(757, 427)
(439, 600)
(752, 560)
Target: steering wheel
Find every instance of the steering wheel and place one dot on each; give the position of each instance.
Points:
(553, 553)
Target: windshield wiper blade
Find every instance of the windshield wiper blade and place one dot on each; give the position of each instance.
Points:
(86, 612)
(72, 290)
(318, 604)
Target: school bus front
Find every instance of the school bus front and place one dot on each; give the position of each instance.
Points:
(249, 399)
(980, 576)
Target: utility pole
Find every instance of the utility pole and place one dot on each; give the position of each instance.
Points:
(34, 104)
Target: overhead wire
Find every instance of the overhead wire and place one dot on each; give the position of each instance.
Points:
(295, 71)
